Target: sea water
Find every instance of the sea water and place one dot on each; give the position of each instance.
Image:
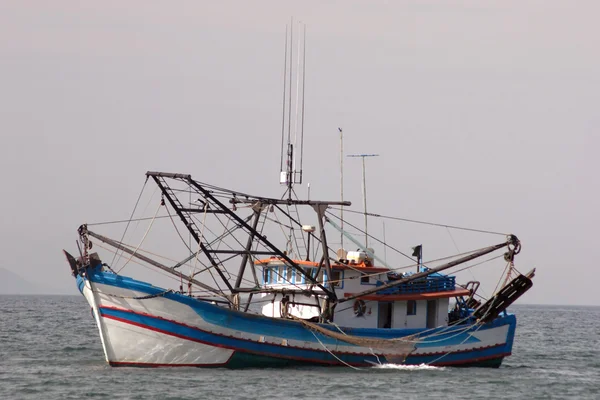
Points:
(50, 349)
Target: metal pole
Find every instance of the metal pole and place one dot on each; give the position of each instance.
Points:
(364, 187)
(342, 185)
(384, 244)
(365, 201)
(325, 248)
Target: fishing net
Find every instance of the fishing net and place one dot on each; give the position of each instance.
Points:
(394, 350)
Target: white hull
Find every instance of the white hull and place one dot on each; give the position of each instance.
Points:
(131, 341)
(127, 344)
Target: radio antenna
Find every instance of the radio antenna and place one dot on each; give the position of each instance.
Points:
(291, 170)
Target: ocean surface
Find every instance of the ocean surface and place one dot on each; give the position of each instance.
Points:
(49, 349)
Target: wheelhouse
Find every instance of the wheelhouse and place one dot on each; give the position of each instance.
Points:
(422, 303)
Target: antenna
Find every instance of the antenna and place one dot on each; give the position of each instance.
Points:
(283, 102)
(364, 186)
(293, 98)
(341, 186)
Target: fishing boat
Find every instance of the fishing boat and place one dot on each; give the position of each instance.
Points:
(258, 284)
(325, 308)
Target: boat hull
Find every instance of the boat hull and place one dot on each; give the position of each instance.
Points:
(146, 326)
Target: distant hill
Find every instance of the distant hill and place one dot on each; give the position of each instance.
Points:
(11, 283)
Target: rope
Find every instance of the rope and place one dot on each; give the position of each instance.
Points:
(443, 331)
(479, 326)
(450, 351)
(334, 356)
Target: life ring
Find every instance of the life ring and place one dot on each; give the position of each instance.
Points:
(360, 308)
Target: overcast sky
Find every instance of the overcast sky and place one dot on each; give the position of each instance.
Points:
(485, 114)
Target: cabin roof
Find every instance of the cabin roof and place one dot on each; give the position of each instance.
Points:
(413, 296)
(277, 262)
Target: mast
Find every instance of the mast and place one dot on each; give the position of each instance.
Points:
(256, 218)
(364, 187)
(342, 186)
(320, 209)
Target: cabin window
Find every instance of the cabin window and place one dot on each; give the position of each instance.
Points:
(266, 275)
(290, 274)
(411, 307)
(336, 278)
(281, 271)
(367, 279)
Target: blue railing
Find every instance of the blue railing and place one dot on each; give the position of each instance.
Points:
(428, 285)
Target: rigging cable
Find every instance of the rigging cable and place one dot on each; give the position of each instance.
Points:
(457, 249)
(143, 238)
(132, 213)
(422, 222)
(120, 221)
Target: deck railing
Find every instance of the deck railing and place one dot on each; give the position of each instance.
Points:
(428, 285)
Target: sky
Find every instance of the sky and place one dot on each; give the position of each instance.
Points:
(484, 114)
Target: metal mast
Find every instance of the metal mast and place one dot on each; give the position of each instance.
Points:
(364, 187)
(342, 186)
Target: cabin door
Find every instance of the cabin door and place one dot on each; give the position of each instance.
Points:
(384, 315)
(432, 308)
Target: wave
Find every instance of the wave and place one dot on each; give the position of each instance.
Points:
(419, 367)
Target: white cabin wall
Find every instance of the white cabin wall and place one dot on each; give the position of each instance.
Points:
(419, 320)
(270, 308)
(344, 315)
(350, 284)
(442, 314)
(273, 308)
